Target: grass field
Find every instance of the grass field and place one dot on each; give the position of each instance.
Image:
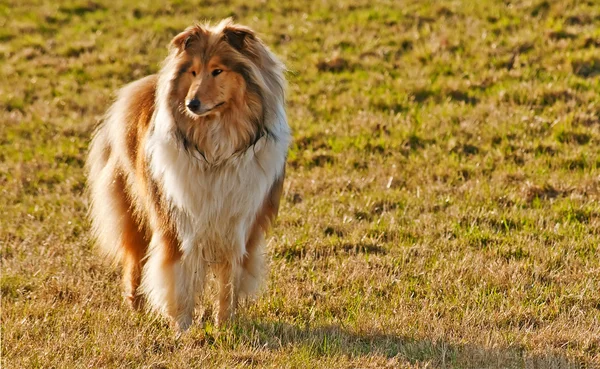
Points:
(441, 207)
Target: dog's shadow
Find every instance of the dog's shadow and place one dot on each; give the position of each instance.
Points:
(325, 341)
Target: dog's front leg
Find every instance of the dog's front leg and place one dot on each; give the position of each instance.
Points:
(169, 280)
(228, 279)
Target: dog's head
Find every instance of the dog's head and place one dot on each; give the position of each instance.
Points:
(223, 86)
(220, 68)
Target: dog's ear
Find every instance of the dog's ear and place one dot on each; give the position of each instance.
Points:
(238, 36)
(183, 40)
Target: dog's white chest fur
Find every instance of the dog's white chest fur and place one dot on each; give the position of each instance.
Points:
(214, 207)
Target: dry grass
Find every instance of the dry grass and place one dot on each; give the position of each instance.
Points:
(442, 207)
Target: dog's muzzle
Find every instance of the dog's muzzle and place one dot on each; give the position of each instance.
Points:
(194, 105)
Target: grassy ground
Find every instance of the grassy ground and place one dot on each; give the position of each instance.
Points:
(442, 202)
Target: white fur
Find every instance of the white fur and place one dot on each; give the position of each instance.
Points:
(214, 208)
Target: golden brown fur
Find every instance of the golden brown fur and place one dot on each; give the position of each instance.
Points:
(140, 215)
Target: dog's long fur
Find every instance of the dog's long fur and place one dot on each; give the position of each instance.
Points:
(177, 193)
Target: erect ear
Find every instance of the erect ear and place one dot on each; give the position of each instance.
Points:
(238, 36)
(183, 40)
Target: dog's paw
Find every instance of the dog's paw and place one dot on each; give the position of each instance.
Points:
(183, 323)
(136, 302)
(223, 317)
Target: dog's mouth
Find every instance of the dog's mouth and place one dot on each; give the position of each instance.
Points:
(203, 111)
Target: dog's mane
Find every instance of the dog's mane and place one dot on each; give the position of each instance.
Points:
(247, 55)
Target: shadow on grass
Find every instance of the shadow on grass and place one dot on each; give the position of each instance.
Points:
(335, 340)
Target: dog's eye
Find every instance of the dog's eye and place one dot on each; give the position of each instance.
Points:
(216, 72)
(194, 73)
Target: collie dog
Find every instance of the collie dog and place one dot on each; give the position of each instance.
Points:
(186, 171)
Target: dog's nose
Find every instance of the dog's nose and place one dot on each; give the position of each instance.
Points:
(193, 104)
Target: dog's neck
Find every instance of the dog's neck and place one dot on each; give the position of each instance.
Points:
(216, 139)
(214, 160)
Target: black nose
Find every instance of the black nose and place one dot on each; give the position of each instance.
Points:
(193, 104)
